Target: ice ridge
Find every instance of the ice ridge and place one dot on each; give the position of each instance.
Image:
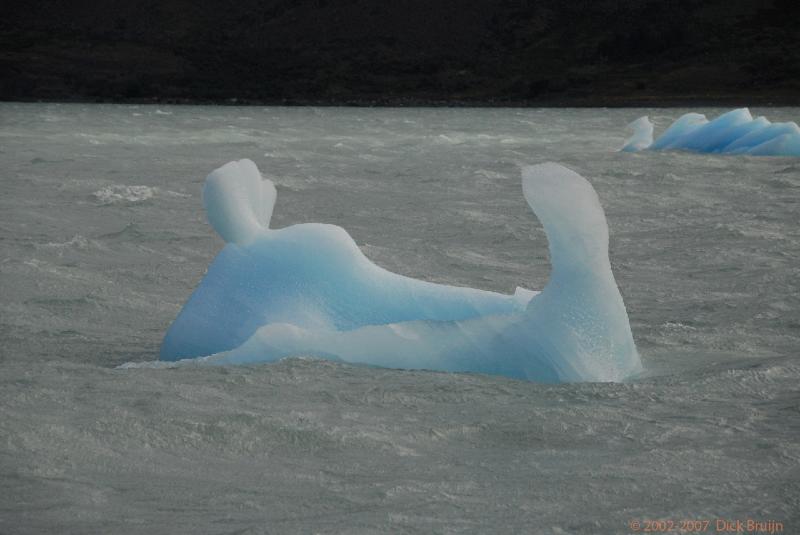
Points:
(734, 132)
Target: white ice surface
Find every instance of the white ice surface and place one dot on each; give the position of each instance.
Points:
(309, 290)
(238, 202)
(642, 135)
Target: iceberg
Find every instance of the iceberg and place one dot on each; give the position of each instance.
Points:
(308, 290)
(642, 135)
(734, 132)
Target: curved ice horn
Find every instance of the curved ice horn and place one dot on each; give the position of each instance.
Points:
(570, 211)
(581, 308)
(238, 201)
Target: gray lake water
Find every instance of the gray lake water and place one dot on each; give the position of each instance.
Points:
(103, 237)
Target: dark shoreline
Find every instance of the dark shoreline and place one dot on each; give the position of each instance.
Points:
(737, 101)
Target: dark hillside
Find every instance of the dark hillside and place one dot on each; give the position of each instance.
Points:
(581, 52)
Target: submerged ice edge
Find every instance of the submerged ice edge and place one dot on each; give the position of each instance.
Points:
(308, 290)
(734, 132)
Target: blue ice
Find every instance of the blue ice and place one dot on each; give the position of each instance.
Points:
(734, 132)
(308, 290)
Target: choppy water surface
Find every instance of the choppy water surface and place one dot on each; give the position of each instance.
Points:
(103, 237)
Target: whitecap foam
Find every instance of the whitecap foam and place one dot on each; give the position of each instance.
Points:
(122, 194)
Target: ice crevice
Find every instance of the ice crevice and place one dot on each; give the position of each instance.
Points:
(308, 290)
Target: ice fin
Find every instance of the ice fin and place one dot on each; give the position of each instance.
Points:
(570, 212)
(581, 319)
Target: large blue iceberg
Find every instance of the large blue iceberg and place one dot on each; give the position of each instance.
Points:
(735, 132)
(308, 290)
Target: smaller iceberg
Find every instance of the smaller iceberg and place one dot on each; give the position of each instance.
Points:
(734, 132)
(308, 290)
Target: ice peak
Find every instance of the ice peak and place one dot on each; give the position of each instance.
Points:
(238, 201)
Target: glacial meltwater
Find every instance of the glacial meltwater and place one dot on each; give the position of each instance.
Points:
(103, 238)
